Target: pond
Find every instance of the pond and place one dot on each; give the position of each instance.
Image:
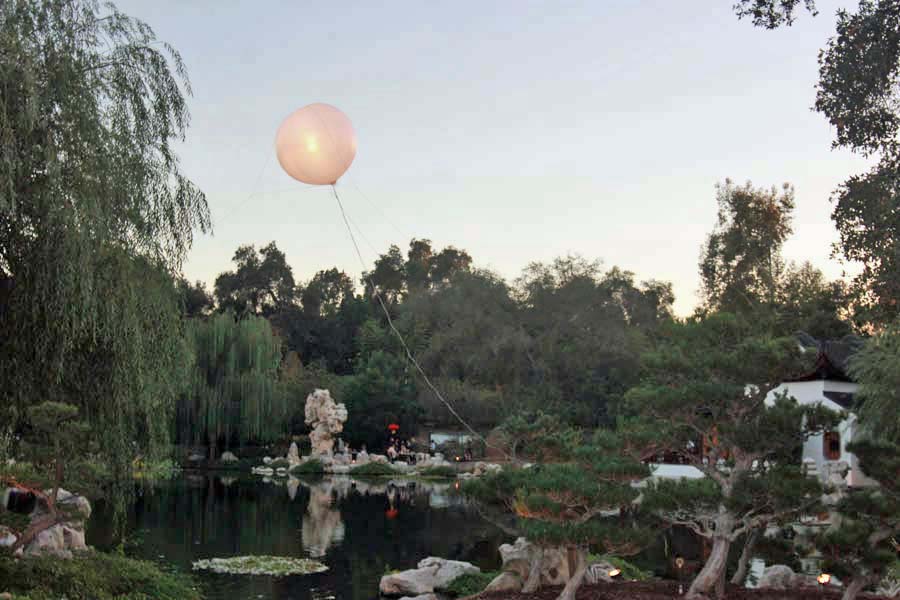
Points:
(359, 528)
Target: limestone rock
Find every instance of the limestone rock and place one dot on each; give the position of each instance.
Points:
(293, 456)
(7, 537)
(49, 541)
(195, 457)
(262, 471)
(378, 458)
(228, 457)
(447, 570)
(782, 577)
(267, 459)
(505, 582)
(598, 572)
(420, 597)
(362, 457)
(327, 419)
(413, 582)
(517, 557)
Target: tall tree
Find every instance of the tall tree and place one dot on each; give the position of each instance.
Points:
(584, 352)
(877, 369)
(741, 261)
(418, 263)
(236, 395)
(94, 215)
(326, 292)
(703, 400)
(262, 283)
(859, 94)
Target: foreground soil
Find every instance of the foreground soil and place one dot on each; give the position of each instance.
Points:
(664, 590)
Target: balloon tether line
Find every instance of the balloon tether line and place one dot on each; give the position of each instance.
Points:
(390, 322)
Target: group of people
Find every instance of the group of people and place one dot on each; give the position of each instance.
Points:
(400, 450)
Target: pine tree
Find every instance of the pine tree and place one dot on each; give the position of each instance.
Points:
(584, 502)
(702, 401)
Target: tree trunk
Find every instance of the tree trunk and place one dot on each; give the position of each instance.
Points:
(577, 577)
(744, 561)
(707, 580)
(534, 573)
(855, 586)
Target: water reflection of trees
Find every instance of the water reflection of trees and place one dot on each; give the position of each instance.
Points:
(343, 519)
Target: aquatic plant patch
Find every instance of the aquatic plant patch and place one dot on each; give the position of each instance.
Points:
(274, 566)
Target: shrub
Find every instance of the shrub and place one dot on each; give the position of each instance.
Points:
(469, 585)
(313, 466)
(373, 469)
(438, 472)
(280, 463)
(93, 576)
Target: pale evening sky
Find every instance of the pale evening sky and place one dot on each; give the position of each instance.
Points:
(516, 130)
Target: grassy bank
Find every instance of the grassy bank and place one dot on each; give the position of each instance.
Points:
(93, 576)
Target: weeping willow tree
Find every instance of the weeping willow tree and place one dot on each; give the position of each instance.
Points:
(235, 394)
(95, 217)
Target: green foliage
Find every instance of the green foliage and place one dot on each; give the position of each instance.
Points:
(279, 463)
(540, 436)
(94, 576)
(438, 473)
(702, 401)
(381, 392)
(741, 260)
(263, 282)
(586, 501)
(312, 466)
(470, 584)
(876, 367)
(236, 395)
(95, 215)
(373, 469)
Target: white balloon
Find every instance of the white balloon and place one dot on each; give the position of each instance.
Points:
(316, 144)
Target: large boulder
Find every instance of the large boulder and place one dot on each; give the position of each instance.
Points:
(431, 574)
(327, 418)
(505, 582)
(554, 565)
(599, 572)
(447, 570)
(412, 582)
(50, 541)
(782, 577)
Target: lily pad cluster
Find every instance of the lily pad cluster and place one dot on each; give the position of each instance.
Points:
(275, 566)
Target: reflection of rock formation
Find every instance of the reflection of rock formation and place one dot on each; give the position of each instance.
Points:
(322, 524)
(327, 418)
(292, 485)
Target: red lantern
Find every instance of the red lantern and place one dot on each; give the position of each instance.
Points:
(393, 427)
(392, 513)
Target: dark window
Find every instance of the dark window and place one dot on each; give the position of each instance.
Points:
(831, 445)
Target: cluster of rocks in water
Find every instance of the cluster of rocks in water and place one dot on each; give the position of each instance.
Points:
(61, 539)
(327, 418)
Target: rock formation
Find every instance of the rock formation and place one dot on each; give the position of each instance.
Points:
(431, 574)
(326, 418)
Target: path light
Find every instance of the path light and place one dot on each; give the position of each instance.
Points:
(824, 579)
(615, 573)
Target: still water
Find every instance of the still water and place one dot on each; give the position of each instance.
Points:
(359, 528)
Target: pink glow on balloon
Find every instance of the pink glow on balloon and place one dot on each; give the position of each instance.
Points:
(316, 144)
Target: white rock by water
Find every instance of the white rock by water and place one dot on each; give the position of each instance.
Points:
(228, 457)
(327, 419)
(447, 570)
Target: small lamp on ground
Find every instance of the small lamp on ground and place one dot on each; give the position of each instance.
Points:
(614, 573)
(824, 579)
